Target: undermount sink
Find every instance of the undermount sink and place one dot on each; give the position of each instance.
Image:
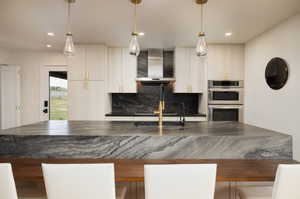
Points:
(156, 124)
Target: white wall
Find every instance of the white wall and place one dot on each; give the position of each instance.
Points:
(4, 56)
(276, 110)
(30, 63)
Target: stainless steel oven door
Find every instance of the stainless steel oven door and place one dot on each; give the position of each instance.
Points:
(226, 113)
(225, 83)
(225, 96)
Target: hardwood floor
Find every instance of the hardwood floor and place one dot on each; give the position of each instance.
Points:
(28, 190)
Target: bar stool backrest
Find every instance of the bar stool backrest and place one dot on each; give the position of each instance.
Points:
(7, 182)
(79, 181)
(192, 181)
(287, 183)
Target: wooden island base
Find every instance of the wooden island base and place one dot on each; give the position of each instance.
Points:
(133, 170)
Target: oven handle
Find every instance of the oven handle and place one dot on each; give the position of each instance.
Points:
(225, 107)
(226, 89)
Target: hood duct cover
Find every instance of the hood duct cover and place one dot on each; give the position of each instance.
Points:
(155, 64)
(155, 67)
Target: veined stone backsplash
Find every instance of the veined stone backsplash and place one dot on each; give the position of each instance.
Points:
(147, 98)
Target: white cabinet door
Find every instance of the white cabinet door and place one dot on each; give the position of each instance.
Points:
(182, 71)
(129, 72)
(90, 61)
(115, 70)
(122, 71)
(189, 71)
(197, 71)
(226, 62)
(77, 64)
(96, 62)
(9, 97)
(86, 104)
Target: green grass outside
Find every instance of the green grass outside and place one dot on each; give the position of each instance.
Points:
(58, 108)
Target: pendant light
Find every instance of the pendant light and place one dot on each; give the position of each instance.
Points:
(201, 48)
(134, 47)
(69, 49)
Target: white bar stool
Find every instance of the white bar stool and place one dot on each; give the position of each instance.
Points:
(77, 181)
(287, 182)
(7, 182)
(192, 181)
(286, 185)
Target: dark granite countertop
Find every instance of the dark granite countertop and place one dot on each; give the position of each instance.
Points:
(109, 128)
(124, 140)
(151, 115)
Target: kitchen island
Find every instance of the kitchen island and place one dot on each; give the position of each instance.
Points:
(125, 140)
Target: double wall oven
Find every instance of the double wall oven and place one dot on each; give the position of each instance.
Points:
(226, 99)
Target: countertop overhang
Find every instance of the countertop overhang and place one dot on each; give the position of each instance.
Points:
(123, 140)
(112, 128)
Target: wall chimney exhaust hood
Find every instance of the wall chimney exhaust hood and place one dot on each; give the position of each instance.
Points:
(155, 68)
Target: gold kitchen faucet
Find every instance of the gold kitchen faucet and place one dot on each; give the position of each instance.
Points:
(159, 112)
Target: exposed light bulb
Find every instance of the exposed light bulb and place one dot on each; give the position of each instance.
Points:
(134, 47)
(69, 49)
(201, 45)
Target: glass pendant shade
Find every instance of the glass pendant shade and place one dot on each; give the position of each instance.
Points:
(69, 49)
(134, 47)
(201, 49)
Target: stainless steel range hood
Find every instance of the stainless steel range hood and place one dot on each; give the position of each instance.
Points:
(155, 68)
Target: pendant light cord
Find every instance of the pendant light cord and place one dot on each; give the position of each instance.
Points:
(69, 17)
(201, 18)
(135, 17)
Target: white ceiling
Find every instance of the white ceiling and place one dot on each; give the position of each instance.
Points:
(167, 23)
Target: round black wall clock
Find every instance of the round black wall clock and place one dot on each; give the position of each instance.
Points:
(277, 73)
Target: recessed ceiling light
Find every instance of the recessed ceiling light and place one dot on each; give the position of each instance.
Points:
(228, 34)
(51, 34)
(48, 45)
(141, 34)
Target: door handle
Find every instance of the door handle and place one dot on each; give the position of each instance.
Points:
(45, 111)
(46, 103)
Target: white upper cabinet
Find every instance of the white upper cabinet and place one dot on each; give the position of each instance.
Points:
(122, 71)
(226, 62)
(129, 72)
(190, 71)
(115, 70)
(89, 62)
(182, 70)
(197, 71)
(77, 64)
(96, 61)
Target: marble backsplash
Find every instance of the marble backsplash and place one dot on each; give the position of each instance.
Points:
(147, 98)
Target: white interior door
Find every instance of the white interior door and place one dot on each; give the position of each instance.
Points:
(44, 90)
(10, 96)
